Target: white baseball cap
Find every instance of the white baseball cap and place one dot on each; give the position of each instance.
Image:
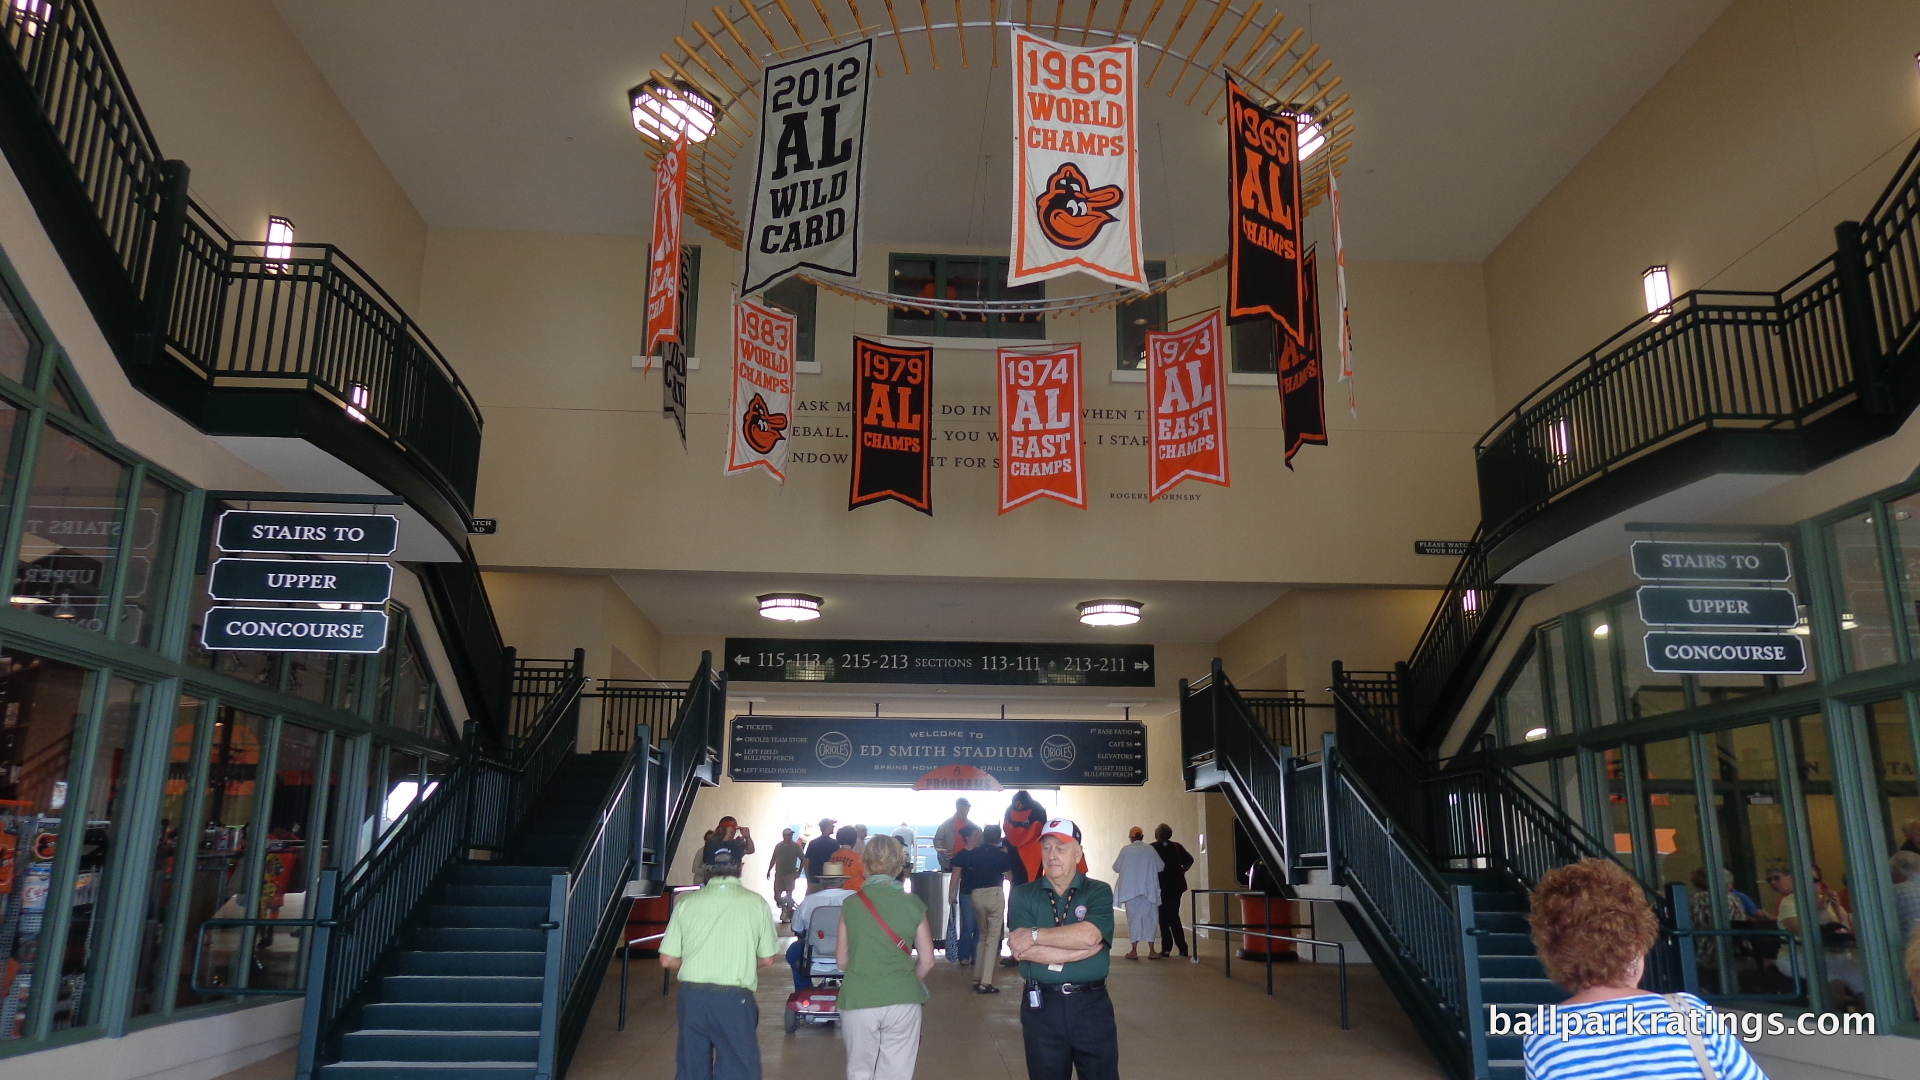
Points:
(1061, 827)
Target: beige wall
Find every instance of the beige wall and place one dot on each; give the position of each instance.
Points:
(1293, 643)
(550, 615)
(1785, 118)
(227, 89)
(544, 326)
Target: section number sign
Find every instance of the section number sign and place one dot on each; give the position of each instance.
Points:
(983, 663)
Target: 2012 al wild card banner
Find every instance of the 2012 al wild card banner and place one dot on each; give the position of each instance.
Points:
(806, 196)
(1040, 449)
(1077, 169)
(1263, 272)
(1303, 402)
(762, 388)
(1186, 407)
(663, 255)
(892, 425)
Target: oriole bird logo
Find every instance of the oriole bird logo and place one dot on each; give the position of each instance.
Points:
(1071, 214)
(762, 428)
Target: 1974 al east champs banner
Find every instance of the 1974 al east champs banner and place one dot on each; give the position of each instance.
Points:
(806, 195)
(1263, 159)
(881, 750)
(663, 255)
(1186, 407)
(1076, 202)
(892, 425)
(1040, 449)
(762, 388)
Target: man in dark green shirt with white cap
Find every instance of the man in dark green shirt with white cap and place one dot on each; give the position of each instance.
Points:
(1060, 928)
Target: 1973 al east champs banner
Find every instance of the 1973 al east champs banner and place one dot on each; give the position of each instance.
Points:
(663, 255)
(1076, 185)
(762, 388)
(1040, 449)
(1186, 407)
(806, 195)
(892, 425)
(882, 750)
(1263, 272)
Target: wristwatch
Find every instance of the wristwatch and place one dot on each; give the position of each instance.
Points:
(1035, 931)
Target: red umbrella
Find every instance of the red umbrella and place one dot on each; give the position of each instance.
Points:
(957, 778)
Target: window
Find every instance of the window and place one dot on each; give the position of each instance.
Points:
(797, 298)
(152, 553)
(689, 297)
(70, 546)
(218, 882)
(18, 343)
(1255, 347)
(1135, 317)
(1523, 714)
(1865, 624)
(1596, 629)
(961, 277)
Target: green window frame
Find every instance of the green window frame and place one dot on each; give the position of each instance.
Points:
(1134, 318)
(960, 277)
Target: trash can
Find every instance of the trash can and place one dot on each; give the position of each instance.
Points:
(1255, 914)
(931, 887)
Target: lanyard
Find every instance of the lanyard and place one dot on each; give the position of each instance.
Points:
(1054, 900)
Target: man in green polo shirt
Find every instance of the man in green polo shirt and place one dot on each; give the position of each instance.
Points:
(1060, 928)
(717, 939)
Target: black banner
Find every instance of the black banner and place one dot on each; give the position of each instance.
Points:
(887, 751)
(1688, 560)
(978, 663)
(293, 533)
(673, 386)
(892, 425)
(1303, 400)
(1263, 178)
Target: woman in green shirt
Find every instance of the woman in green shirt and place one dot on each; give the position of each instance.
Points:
(882, 995)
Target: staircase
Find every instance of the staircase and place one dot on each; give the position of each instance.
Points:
(1512, 978)
(463, 1000)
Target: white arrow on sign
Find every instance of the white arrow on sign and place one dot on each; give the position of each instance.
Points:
(1139, 665)
(742, 660)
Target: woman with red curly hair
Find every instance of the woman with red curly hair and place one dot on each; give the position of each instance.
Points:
(1593, 928)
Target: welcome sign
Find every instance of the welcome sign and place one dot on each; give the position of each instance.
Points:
(894, 752)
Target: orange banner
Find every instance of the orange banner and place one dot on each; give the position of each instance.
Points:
(1186, 407)
(663, 257)
(1040, 448)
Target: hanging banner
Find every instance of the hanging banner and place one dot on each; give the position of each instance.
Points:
(1340, 297)
(673, 386)
(1263, 272)
(663, 257)
(1040, 449)
(1186, 407)
(806, 195)
(1303, 401)
(892, 426)
(762, 388)
(1077, 173)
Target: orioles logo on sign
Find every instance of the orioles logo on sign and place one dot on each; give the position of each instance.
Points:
(1072, 212)
(761, 427)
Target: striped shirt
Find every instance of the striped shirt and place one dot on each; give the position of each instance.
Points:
(1632, 1037)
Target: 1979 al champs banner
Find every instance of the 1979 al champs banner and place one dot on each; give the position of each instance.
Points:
(1040, 449)
(1263, 161)
(892, 424)
(762, 388)
(806, 195)
(1186, 407)
(1077, 176)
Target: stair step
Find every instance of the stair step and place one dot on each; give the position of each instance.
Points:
(1520, 992)
(447, 989)
(1498, 900)
(1506, 945)
(455, 916)
(503, 874)
(1502, 922)
(1505, 1047)
(478, 939)
(440, 1046)
(497, 895)
(451, 1016)
(1508, 1069)
(1512, 967)
(428, 1070)
(476, 962)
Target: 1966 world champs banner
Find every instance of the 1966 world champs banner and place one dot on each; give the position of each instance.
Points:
(889, 751)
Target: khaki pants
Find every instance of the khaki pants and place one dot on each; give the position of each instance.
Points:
(882, 1043)
(986, 914)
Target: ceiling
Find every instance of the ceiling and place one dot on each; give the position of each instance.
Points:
(500, 114)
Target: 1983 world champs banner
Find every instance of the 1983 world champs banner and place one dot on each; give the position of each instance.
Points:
(1040, 448)
(762, 388)
(1186, 407)
(1263, 159)
(892, 425)
(806, 195)
(1077, 177)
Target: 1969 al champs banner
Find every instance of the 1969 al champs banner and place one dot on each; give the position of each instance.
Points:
(1040, 450)
(806, 195)
(892, 424)
(1077, 175)
(1186, 407)
(663, 255)
(1263, 161)
(762, 388)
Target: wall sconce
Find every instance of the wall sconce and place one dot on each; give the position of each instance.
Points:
(358, 399)
(32, 15)
(279, 245)
(1657, 283)
(1470, 603)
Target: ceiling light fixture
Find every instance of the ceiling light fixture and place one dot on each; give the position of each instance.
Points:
(1602, 630)
(789, 606)
(1109, 612)
(1536, 734)
(662, 112)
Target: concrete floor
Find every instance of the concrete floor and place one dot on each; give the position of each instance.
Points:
(1177, 1019)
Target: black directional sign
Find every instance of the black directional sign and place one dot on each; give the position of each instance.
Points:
(285, 580)
(294, 630)
(1726, 654)
(1682, 560)
(896, 752)
(287, 533)
(985, 663)
(1695, 605)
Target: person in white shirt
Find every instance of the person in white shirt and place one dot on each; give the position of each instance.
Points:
(1138, 890)
(832, 896)
(1906, 891)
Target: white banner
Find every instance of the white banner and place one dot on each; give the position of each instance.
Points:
(1077, 171)
(763, 340)
(806, 195)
